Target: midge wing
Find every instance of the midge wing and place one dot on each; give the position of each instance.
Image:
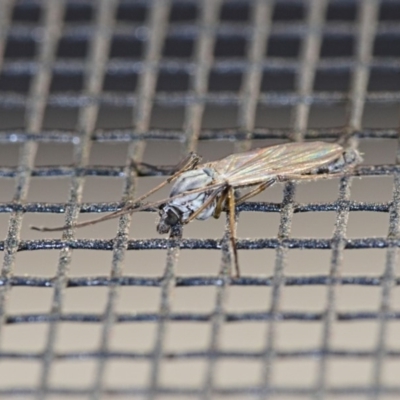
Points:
(256, 166)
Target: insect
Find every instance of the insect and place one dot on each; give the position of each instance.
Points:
(200, 191)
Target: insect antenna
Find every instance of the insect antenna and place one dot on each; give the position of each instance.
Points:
(189, 162)
(130, 208)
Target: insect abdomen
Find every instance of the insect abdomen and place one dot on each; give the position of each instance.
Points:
(347, 160)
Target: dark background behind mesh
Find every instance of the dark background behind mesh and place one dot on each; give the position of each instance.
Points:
(113, 310)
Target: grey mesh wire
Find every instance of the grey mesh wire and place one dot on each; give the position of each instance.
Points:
(258, 23)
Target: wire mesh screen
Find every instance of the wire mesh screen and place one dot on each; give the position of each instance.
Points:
(91, 88)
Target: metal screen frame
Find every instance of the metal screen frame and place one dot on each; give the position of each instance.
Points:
(152, 32)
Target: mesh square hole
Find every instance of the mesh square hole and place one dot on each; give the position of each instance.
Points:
(29, 300)
(164, 117)
(364, 224)
(392, 337)
(289, 11)
(194, 299)
(137, 299)
(15, 119)
(14, 339)
(386, 45)
(126, 47)
(327, 116)
(77, 374)
(108, 154)
(389, 11)
(86, 264)
(87, 300)
(337, 46)
(9, 154)
(72, 47)
(178, 47)
(20, 48)
(75, 337)
(257, 263)
(234, 46)
(242, 372)
(283, 46)
(234, 12)
(127, 373)
(199, 263)
(66, 83)
(134, 337)
(39, 264)
(307, 263)
(54, 154)
(390, 372)
(273, 117)
(332, 81)
(301, 372)
(183, 373)
(278, 81)
(313, 225)
(26, 12)
(15, 83)
(131, 12)
(303, 299)
(149, 264)
(224, 81)
(183, 336)
(384, 79)
(173, 82)
(60, 118)
(243, 336)
(349, 372)
(354, 298)
(219, 117)
(242, 299)
(78, 12)
(120, 82)
(183, 12)
(294, 335)
(377, 152)
(355, 335)
(364, 262)
(341, 11)
(114, 117)
(377, 189)
(320, 191)
(19, 373)
(258, 224)
(380, 116)
(45, 190)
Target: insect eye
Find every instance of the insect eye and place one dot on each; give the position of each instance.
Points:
(172, 217)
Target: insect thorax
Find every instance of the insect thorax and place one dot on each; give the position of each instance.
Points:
(179, 209)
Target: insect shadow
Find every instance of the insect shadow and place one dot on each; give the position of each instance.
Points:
(200, 191)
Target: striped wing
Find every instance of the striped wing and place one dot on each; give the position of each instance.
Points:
(257, 166)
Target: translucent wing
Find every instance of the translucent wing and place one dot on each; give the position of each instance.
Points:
(256, 166)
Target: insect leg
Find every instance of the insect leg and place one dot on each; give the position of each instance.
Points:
(220, 205)
(189, 162)
(203, 206)
(232, 226)
(255, 191)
